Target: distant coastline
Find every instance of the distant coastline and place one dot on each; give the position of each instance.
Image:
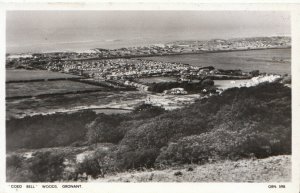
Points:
(79, 48)
(174, 54)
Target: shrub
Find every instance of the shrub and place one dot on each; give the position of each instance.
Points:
(188, 86)
(46, 166)
(216, 145)
(241, 122)
(96, 165)
(136, 159)
(34, 132)
(14, 169)
(287, 79)
(145, 111)
(105, 128)
(251, 121)
(207, 82)
(41, 167)
(254, 73)
(14, 160)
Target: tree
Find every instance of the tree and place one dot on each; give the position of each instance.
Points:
(105, 128)
(254, 73)
(207, 82)
(96, 165)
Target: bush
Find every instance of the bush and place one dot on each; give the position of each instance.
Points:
(105, 128)
(188, 86)
(254, 73)
(250, 121)
(149, 137)
(207, 82)
(14, 171)
(34, 132)
(241, 122)
(46, 166)
(136, 159)
(96, 165)
(145, 111)
(41, 167)
(14, 160)
(287, 79)
(218, 144)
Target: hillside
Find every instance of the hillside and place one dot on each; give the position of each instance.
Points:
(272, 169)
(241, 123)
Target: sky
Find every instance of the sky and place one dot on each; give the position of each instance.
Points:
(42, 31)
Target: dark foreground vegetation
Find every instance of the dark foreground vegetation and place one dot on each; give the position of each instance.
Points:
(241, 123)
(207, 84)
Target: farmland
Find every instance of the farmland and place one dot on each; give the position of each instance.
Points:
(23, 89)
(270, 60)
(29, 93)
(110, 111)
(240, 130)
(73, 102)
(150, 80)
(31, 75)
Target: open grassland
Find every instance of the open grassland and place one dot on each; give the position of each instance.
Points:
(151, 80)
(22, 89)
(272, 169)
(73, 102)
(268, 60)
(31, 75)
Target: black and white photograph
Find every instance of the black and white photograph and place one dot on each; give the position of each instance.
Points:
(142, 96)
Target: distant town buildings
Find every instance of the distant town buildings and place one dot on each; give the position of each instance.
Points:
(119, 65)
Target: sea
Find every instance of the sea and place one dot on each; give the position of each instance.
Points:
(275, 61)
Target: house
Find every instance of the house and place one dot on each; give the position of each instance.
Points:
(175, 91)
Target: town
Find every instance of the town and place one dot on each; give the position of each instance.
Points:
(126, 66)
(178, 47)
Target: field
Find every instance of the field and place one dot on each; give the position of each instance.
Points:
(22, 89)
(157, 79)
(73, 102)
(270, 60)
(225, 84)
(28, 75)
(110, 111)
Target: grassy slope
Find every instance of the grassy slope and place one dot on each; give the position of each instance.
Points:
(272, 169)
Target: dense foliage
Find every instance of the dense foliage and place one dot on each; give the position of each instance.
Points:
(39, 131)
(99, 163)
(242, 122)
(112, 128)
(188, 86)
(105, 128)
(41, 167)
(239, 123)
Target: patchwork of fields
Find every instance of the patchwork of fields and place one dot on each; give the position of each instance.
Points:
(69, 126)
(28, 93)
